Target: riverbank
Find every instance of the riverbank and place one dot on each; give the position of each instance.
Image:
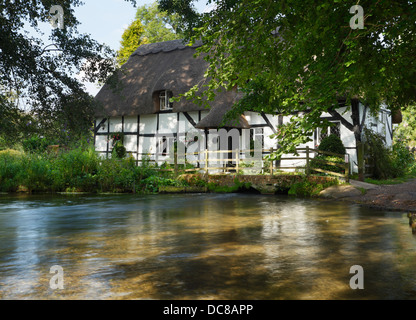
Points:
(395, 197)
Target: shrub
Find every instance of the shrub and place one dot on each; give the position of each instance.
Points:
(380, 157)
(11, 164)
(36, 144)
(77, 169)
(403, 158)
(152, 183)
(332, 143)
(11, 153)
(122, 175)
(36, 173)
(119, 151)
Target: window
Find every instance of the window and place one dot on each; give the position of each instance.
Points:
(256, 139)
(164, 103)
(336, 129)
(325, 132)
(382, 117)
(164, 145)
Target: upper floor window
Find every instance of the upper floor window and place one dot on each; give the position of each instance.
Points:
(164, 103)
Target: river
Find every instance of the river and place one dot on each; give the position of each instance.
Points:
(201, 246)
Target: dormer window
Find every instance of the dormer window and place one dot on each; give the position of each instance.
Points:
(164, 103)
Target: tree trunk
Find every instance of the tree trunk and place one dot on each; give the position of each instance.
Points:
(356, 128)
(355, 110)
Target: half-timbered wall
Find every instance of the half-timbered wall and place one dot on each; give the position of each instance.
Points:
(152, 135)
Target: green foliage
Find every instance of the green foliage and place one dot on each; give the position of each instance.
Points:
(37, 174)
(309, 189)
(196, 180)
(119, 151)
(406, 130)
(398, 163)
(14, 124)
(403, 160)
(158, 25)
(332, 143)
(36, 144)
(401, 157)
(188, 17)
(41, 67)
(151, 25)
(10, 166)
(313, 58)
(115, 175)
(379, 156)
(78, 169)
(319, 163)
(237, 187)
(153, 182)
(132, 38)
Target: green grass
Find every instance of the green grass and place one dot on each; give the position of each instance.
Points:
(362, 190)
(411, 174)
(385, 182)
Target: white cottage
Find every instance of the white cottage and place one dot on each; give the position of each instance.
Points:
(140, 109)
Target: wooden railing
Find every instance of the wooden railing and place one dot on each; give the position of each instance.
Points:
(234, 164)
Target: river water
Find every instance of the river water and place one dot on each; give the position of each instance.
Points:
(201, 246)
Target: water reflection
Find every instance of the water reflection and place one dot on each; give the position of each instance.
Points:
(412, 221)
(201, 247)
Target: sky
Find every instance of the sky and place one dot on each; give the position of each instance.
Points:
(106, 20)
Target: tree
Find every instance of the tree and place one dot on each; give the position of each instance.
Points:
(42, 72)
(406, 130)
(297, 55)
(151, 26)
(158, 25)
(132, 38)
(14, 123)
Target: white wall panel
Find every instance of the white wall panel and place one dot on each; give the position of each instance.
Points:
(254, 118)
(148, 124)
(103, 128)
(168, 123)
(147, 145)
(116, 124)
(130, 124)
(101, 143)
(130, 142)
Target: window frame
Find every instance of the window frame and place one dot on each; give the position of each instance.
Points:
(165, 95)
(329, 131)
(164, 145)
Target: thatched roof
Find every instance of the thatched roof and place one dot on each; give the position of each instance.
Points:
(168, 65)
(215, 117)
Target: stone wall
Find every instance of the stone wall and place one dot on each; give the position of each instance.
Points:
(282, 181)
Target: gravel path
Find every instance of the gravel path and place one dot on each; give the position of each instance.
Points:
(398, 197)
